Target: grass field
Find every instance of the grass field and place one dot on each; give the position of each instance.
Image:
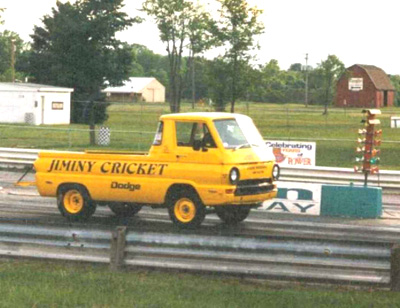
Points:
(133, 126)
(50, 284)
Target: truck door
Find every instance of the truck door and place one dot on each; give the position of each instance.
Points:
(196, 146)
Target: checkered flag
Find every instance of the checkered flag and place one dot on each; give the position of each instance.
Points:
(104, 135)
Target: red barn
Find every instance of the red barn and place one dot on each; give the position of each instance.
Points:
(364, 86)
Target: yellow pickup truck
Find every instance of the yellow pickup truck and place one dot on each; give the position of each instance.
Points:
(198, 163)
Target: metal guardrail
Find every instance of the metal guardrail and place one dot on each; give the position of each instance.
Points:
(388, 180)
(19, 157)
(325, 261)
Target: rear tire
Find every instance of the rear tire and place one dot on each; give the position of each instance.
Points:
(232, 214)
(186, 209)
(123, 209)
(74, 202)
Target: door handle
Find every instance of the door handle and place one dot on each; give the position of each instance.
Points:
(180, 156)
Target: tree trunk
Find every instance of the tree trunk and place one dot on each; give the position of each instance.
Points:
(193, 83)
(92, 126)
(92, 133)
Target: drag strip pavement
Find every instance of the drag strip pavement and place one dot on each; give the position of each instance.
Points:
(24, 205)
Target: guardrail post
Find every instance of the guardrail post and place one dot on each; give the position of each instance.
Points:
(117, 253)
(395, 268)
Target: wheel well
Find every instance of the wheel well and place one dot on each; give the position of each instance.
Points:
(65, 185)
(177, 188)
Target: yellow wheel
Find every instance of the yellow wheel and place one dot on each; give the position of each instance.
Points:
(74, 202)
(185, 208)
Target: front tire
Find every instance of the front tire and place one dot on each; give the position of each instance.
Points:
(74, 203)
(232, 214)
(186, 209)
(123, 209)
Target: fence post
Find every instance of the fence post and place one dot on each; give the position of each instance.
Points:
(395, 268)
(117, 253)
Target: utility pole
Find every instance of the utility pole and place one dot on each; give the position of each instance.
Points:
(306, 84)
(12, 60)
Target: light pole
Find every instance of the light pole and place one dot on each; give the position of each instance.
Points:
(306, 83)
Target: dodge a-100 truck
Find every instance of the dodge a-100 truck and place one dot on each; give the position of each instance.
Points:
(198, 163)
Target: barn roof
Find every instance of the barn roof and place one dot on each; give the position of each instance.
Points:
(133, 85)
(380, 79)
(31, 87)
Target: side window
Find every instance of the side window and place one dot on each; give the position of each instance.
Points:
(184, 133)
(208, 140)
(159, 133)
(188, 133)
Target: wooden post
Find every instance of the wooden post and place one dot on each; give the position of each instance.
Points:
(395, 268)
(117, 253)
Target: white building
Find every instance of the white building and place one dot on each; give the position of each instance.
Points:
(34, 104)
(145, 89)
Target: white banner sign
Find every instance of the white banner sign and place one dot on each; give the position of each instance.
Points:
(293, 153)
(295, 198)
(355, 84)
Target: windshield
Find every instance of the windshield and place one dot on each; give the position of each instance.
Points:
(237, 133)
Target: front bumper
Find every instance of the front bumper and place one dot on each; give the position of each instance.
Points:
(228, 195)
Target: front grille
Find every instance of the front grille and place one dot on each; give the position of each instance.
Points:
(253, 187)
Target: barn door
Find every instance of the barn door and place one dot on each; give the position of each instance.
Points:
(385, 98)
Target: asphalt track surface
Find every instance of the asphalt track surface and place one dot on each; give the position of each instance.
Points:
(24, 205)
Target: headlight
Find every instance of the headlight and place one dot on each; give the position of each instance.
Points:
(234, 175)
(276, 171)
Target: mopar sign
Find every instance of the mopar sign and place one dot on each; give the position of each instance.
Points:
(297, 198)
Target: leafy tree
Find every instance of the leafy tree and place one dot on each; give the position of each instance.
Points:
(1, 17)
(77, 48)
(329, 72)
(200, 83)
(273, 80)
(176, 20)
(238, 24)
(201, 38)
(219, 82)
(8, 58)
(149, 64)
(395, 79)
(295, 67)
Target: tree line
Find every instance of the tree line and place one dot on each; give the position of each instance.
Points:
(76, 46)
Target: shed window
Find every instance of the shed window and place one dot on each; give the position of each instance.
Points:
(57, 105)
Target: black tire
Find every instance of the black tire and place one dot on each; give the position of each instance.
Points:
(186, 209)
(123, 209)
(74, 202)
(232, 214)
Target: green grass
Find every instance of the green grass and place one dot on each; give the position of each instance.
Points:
(133, 128)
(51, 284)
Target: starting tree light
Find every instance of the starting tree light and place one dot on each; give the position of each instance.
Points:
(369, 159)
(375, 152)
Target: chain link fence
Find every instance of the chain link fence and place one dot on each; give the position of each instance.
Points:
(132, 127)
